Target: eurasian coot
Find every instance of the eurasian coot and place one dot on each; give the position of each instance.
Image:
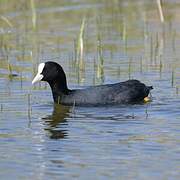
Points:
(131, 91)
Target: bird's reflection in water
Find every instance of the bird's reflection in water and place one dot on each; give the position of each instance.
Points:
(57, 121)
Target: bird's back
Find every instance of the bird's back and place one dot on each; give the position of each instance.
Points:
(130, 91)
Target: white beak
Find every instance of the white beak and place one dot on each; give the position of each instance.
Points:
(37, 78)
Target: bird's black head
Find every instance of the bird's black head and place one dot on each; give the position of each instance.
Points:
(49, 72)
(52, 73)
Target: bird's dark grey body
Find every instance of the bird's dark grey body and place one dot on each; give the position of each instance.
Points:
(120, 93)
(131, 91)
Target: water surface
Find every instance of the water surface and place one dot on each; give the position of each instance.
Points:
(122, 40)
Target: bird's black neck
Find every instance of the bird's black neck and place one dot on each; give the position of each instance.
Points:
(59, 88)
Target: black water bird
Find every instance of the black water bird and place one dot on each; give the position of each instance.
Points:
(127, 92)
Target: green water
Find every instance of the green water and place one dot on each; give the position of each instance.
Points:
(121, 40)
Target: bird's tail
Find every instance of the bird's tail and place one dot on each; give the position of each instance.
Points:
(150, 87)
(147, 99)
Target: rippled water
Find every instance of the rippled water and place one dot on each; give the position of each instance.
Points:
(42, 141)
